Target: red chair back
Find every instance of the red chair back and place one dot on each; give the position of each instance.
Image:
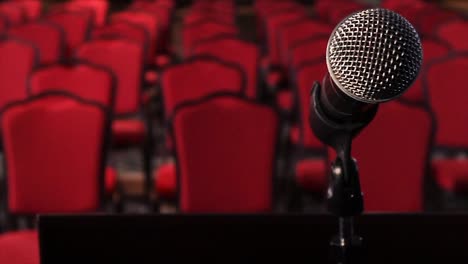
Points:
(199, 77)
(47, 37)
(453, 32)
(76, 24)
(393, 155)
(240, 52)
(13, 12)
(226, 150)
(19, 58)
(64, 156)
(307, 50)
(83, 79)
(196, 32)
(125, 59)
(31, 8)
(99, 7)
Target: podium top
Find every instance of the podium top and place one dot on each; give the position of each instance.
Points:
(294, 238)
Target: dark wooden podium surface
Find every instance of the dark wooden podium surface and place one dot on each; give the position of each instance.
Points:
(388, 238)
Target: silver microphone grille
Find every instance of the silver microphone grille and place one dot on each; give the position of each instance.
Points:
(374, 55)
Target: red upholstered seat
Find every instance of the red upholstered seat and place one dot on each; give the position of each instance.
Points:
(295, 135)
(19, 58)
(242, 53)
(99, 7)
(225, 151)
(144, 19)
(309, 49)
(31, 8)
(166, 181)
(47, 37)
(451, 174)
(432, 16)
(311, 174)
(127, 30)
(205, 29)
(77, 25)
(20, 247)
(199, 77)
(451, 33)
(129, 130)
(450, 113)
(82, 79)
(392, 155)
(272, 25)
(306, 75)
(13, 12)
(56, 179)
(294, 32)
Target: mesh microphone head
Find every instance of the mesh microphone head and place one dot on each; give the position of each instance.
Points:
(374, 55)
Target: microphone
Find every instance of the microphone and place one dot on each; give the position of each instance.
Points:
(373, 56)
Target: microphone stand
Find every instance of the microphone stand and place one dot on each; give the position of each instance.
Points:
(344, 196)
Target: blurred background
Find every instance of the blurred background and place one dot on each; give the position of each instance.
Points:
(165, 106)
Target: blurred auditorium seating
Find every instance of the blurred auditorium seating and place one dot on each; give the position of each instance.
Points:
(222, 119)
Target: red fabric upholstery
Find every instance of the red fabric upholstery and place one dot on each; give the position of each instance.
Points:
(297, 31)
(128, 130)
(125, 59)
(110, 180)
(225, 150)
(285, 100)
(76, 24)
(13, 12)
(272, 25)
(197, 78)
(311, 174)
(433, 16)
(433, 49)
(305, 78)
(392, 157)
(31, 8)
(166, 181)
(49, 39)
(83, 80)
(18, 60)
(450, 110)
(20, 247)
(99, 7)
(244, 54)
(127, 30)
(146, 20)
(274, 78)
(195, 16)
(63, 157)
(308, 50)
(451, 33)
(206, 29)
(335, 15)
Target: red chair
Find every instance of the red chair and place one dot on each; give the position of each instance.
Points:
(196, 78)
(310, 168)
(99, 7)
(444, 80)
(431, 16)
(13, 12)
(127, 30)
(32, 8)
(294, 32)
(19, 58)
(219, 171)
(451, 32)
(3, 24)
(205, 29)
(240, 52)
(76, 24)
(434, 49)
(393, 158)
(47, 37)
(131, 127)
(146, 20)
(307, 50)
(56, 179)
